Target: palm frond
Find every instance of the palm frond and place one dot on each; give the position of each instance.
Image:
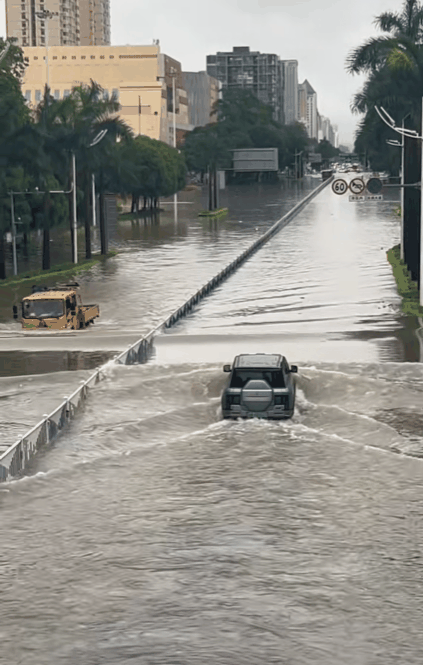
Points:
(389, 22)
(371, 55)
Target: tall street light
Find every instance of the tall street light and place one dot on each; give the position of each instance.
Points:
(46, 15)
(175, 195)
(413, 134)
(95, 141)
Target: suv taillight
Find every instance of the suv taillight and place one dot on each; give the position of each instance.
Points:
(232, 399)
(281, 399)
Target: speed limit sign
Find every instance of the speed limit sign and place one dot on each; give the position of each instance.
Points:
(357, 185)
(339, 186)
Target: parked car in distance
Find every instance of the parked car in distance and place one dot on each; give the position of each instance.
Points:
(260, 385)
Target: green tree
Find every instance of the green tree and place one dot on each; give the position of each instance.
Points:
(13, 114)
(394, 65)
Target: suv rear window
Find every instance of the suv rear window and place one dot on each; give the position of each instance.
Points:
(240, 377)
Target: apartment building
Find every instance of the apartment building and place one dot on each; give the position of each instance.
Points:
(139, 77)
(289, 78)
(251, 70)
(203, 92)
(58, 22)
(307, 109)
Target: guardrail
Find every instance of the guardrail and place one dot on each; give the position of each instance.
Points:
(18, 456)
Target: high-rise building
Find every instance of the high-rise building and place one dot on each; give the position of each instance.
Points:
(95, 22)
(203, 92)
(307, 109)
(289, 77)
(58, 22)
(250, 70)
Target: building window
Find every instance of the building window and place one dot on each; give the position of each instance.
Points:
(92, 57)
(64, 57)
(66, 93)
(57, 94)
(35, 57)
(111, 57)
(102, 57)
(74, 57)
(28, 95)
(55, 57)
(38, 95)
(83, 57)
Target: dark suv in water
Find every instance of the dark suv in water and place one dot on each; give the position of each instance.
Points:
(261, 385)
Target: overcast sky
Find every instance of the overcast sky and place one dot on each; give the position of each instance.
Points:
(317, 33)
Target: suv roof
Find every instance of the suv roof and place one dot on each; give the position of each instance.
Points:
(268, 360)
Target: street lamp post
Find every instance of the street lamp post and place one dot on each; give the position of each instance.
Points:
(95, 141)
(46, 15)
(12, 210)
(175, 195)
(74, 220)
(409, 133)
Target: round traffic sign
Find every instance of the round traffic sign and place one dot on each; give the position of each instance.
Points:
(339, 186)
(374, 185)
(357, 185)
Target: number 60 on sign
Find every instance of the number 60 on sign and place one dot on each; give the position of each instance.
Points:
(339, 186)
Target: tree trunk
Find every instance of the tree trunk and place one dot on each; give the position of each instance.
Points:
(209, 185)
(133, 204)
(87, 216)
(46, 233)
(214, 189)
(2, 257)
(103, 229)
(70, 203)
(46, 249)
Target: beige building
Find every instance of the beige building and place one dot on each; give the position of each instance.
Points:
(140, 77)
(58, 22)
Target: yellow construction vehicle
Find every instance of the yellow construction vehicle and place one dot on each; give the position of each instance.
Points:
(58, 308)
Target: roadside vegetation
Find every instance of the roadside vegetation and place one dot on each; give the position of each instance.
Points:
(245, 122)
(407, 288)
(36, 148)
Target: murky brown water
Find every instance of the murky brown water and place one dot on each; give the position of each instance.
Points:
(154, 532)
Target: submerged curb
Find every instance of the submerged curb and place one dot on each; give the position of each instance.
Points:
(16, 458)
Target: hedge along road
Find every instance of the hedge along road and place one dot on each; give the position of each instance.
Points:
(17, 456)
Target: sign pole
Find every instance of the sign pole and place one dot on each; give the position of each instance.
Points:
(421, 224)
(402, 194)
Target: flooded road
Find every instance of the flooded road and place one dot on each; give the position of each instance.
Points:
(154, 532)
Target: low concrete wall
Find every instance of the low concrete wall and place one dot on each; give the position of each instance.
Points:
(18, 455)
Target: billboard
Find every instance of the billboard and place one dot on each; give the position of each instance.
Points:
(255, 159)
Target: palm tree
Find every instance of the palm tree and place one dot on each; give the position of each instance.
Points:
(86, 113)
(404, 38)
(394, 64)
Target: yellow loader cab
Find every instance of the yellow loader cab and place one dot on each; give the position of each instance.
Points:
(58, 308)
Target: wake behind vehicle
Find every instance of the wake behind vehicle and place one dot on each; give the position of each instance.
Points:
(58, 308)
(261, 385)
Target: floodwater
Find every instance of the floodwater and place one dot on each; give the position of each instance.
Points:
(153, 532)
